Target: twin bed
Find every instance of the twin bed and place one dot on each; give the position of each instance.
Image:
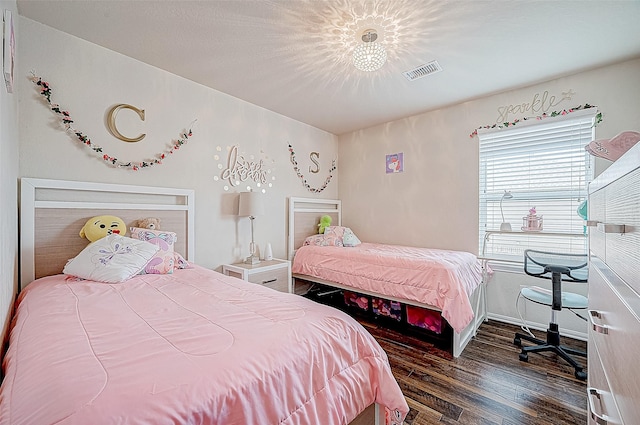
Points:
(190, 346)
(448, 282)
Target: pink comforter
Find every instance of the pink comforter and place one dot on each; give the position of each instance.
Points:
(195, 347)
(444, 279)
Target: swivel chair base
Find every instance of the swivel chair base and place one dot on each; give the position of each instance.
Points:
(551, 344)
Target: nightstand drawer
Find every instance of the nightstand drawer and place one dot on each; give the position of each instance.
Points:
(274, 279)
(274, 274)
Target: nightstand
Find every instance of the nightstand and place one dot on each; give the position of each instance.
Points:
(274, 274)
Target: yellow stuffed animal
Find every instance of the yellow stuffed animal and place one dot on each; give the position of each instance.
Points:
(102, 225)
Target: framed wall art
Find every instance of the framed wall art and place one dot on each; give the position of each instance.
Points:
(395, 163)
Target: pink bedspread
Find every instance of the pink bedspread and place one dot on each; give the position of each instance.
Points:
(195, 347)
(441, 278)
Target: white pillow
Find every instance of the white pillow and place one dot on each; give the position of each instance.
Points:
(112, 259)
(349, 238)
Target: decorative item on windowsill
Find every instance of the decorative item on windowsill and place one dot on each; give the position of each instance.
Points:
(532, 222)
(582, 211)
(250, 205)
(504, 226)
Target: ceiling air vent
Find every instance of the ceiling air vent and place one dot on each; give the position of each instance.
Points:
(422, 71)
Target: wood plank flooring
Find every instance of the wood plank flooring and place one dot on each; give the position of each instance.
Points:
(487, 384)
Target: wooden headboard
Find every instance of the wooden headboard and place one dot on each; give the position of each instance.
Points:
(52, 212)
(304, 216)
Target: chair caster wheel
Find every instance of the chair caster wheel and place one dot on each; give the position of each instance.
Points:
(581, 375)
(517, 341)
(524, 357)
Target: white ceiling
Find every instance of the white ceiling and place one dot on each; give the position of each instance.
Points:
(294, 56)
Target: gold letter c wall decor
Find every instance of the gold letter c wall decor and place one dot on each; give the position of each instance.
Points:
(111, 122)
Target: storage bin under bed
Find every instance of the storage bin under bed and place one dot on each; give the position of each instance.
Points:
(421, 322)
(418, 319)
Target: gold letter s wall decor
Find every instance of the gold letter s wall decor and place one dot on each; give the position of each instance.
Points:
(111, 122)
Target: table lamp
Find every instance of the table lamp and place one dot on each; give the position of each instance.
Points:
(250, 205)
(505, 227)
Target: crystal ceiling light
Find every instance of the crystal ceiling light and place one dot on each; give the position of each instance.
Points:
(369, 56)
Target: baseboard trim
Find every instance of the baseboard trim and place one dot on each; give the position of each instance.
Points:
(580, 336)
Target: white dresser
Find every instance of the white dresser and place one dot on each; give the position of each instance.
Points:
(614, 293)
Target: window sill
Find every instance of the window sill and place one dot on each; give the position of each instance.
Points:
(504, 265)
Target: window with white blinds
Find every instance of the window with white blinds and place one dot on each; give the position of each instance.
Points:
(544, 165)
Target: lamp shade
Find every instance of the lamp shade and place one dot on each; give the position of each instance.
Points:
(250, 204)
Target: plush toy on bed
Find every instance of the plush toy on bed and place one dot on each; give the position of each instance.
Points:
(325, 221)
(102, 225)
(151, 223)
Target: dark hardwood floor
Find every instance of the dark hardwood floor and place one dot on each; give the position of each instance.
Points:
(487, 384)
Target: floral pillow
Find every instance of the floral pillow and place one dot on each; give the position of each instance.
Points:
(163, 239)
(163, 261)
(112, 259)
(166, 260)
(336, 231)
(345, 234)
(180, 262)
(323, 240)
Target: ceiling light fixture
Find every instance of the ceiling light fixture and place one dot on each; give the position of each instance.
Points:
(369, 56)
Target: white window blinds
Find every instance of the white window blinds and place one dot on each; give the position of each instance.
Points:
(544, 165)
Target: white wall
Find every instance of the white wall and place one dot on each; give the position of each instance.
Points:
(87, 80)
(434, 202)
(8, 187)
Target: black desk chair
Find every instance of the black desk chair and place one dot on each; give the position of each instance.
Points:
(558, 268)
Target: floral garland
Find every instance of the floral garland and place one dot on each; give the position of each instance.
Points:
(540, 117)
(45, 91)
(304, 180)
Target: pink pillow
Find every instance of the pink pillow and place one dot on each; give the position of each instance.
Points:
(164, 240)
(162, 262)
(344, 234)
(165, 261)
(180, 262)
(323, 240)
(336, 231)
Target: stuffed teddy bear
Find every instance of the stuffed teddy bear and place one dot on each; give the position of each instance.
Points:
(151, 223)
(102, 225)
(325, 221)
